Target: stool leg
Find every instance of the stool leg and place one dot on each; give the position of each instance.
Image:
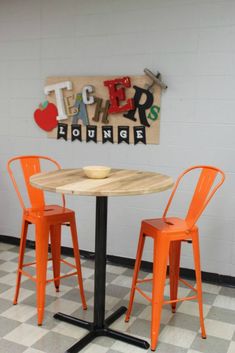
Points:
(23, 237)
(174, 259)
(136, 272)
(196, 253)
(55, 232)
(161, 253)
(42, 238)
(77, 260)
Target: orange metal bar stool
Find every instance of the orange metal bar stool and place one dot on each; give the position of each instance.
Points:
(48, 219)
(167, 234)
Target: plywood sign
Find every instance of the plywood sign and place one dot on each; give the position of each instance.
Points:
(103, 109)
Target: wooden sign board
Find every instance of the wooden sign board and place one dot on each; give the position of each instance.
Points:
(115, 119)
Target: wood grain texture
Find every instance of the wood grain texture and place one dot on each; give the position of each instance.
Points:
(120, 182)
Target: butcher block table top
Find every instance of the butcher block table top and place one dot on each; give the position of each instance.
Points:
(120, 182)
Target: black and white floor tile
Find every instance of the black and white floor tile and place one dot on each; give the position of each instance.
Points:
(179, 333)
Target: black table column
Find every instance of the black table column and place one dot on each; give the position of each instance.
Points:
(100, 261)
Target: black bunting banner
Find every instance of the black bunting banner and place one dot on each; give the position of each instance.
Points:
(139, 134)
(123, 134)
(62, 131)
(107, 134)
(91, 133)
(76, 132)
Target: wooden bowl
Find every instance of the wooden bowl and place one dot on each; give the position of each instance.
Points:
(96, 171)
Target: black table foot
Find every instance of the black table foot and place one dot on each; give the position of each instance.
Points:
(73, 320)
(103, 331)
(82, 343)
(114, 316)
(127, 338)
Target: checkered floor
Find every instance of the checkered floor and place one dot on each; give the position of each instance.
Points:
(179, 332)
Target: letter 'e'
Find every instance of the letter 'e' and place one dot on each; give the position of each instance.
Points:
(118, 94)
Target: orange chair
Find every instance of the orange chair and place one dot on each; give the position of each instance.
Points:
(48, 219)
(167, 234)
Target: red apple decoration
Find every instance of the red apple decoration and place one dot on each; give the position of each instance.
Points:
(45, 116)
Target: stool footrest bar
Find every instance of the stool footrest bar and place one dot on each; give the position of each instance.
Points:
(27, 275)
(60, 277)
(187, 284)
(143, 294)
(68, 263)
(144, 280)
(179, 300)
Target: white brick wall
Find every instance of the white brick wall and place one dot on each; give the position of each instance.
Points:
(192, 42)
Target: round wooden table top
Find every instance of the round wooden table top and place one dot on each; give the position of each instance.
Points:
(119, 182)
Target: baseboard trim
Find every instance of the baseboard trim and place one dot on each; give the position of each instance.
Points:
(209, 277)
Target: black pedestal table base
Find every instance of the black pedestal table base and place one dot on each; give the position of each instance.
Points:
(100, 325)
(98, 331)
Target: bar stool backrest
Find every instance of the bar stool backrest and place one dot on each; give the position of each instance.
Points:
(31, 165)
(203, 192)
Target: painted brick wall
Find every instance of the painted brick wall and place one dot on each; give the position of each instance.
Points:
(192, 42)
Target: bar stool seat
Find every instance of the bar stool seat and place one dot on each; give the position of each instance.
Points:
(167, 225)
(49, 211)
